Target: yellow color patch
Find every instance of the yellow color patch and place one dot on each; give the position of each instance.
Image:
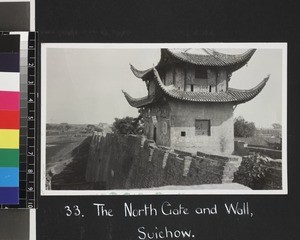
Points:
(9, 138)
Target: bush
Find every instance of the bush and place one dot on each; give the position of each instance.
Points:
(252, 171)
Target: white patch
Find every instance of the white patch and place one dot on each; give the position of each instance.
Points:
(10, 81)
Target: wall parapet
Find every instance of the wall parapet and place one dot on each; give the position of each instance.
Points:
(243, 149)
(130, 161)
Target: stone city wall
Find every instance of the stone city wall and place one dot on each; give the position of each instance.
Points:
(242, 149)
(128, 162)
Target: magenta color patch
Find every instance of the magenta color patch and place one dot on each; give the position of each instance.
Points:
(9, 100)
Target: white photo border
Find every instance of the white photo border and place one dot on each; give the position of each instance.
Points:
(45, 46)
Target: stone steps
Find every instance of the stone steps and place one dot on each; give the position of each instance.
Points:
(230, 168)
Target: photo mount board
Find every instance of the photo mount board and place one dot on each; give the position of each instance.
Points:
(276, 216)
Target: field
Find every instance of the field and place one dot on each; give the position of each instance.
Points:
(59, 150)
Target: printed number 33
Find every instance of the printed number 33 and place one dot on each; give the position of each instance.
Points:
(76, 211)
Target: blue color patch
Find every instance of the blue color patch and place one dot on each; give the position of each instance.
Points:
(9, 195)
(9, 177)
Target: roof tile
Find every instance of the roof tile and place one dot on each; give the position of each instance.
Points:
(211, 59)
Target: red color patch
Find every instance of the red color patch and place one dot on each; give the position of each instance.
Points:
(9, 119)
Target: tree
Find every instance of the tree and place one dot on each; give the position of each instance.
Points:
(243, 128)
(90, 128)
(64, 127)
(128, 125)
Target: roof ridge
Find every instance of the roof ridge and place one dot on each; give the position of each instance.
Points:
(205, 49)
(214, 56)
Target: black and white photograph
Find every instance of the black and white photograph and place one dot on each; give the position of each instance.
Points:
(163, 118)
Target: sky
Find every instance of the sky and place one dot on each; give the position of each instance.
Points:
(84, 85)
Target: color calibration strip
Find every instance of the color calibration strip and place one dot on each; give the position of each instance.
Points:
(9, 118)
(27, 120)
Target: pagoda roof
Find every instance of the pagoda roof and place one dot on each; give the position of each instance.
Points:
(235, 96)
(140, 102)
(140, 73)
(204, 57)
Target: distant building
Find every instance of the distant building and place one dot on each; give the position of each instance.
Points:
(189, 105)
(268, 132)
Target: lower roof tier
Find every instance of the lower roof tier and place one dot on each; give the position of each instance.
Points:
(232, 95)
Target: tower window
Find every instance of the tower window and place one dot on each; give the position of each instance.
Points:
(182, 134)
(201, 73)
(192, 88)
(209, 88)
(202, 127)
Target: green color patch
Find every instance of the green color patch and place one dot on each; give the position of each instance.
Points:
(9, 157)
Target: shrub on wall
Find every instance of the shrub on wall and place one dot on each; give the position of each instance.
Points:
(128, 125)
(252, 171)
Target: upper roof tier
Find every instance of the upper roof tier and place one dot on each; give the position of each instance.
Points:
(232, 95)
(203, 57)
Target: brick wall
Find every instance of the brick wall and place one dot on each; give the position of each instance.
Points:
(127, 162)
(272, 153)
(242, 149)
